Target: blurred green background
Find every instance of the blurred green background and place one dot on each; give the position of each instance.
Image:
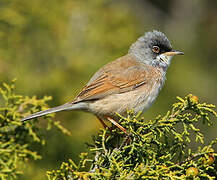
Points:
(53, 47)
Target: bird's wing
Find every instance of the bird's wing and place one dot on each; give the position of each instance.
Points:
(119, 76)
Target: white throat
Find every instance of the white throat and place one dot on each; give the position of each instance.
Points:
(164, 59)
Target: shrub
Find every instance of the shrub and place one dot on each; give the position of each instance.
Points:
(158, 149)
(152, 149)
(16, 137)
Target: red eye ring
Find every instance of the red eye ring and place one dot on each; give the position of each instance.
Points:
(156, 49)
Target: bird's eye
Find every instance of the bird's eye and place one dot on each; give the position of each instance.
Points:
(156, 49)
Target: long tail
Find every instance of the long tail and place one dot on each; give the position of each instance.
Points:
(64, 107)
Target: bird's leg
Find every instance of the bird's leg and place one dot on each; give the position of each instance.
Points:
(125, 141)
(117, 125)
(102, 122)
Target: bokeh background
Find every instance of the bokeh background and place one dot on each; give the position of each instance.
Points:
(53, 47)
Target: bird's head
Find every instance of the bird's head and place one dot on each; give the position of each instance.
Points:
(155, 49)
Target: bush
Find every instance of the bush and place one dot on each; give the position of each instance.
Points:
(157, 149)
(16, 138)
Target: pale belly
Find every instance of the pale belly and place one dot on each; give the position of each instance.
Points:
(138, 100)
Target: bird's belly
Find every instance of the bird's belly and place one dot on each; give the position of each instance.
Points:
(149, 99)
(139, 99)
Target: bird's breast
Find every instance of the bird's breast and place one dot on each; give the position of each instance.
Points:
(139, 99)
(150, 91)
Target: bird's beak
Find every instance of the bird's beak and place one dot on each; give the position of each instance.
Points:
(167, 56)
(173, 52)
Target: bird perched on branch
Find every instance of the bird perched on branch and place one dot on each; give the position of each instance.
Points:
(132, 81)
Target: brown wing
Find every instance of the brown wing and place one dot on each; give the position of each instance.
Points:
(121, 75)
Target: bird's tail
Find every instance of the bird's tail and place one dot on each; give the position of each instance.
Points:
(64, 107)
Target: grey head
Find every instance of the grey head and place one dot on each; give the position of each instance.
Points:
(154, 48)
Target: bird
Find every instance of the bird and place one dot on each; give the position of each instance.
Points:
(132, 81)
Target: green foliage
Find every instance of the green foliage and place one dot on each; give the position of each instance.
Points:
(158, 149)
(53, 47)
(16, 137)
